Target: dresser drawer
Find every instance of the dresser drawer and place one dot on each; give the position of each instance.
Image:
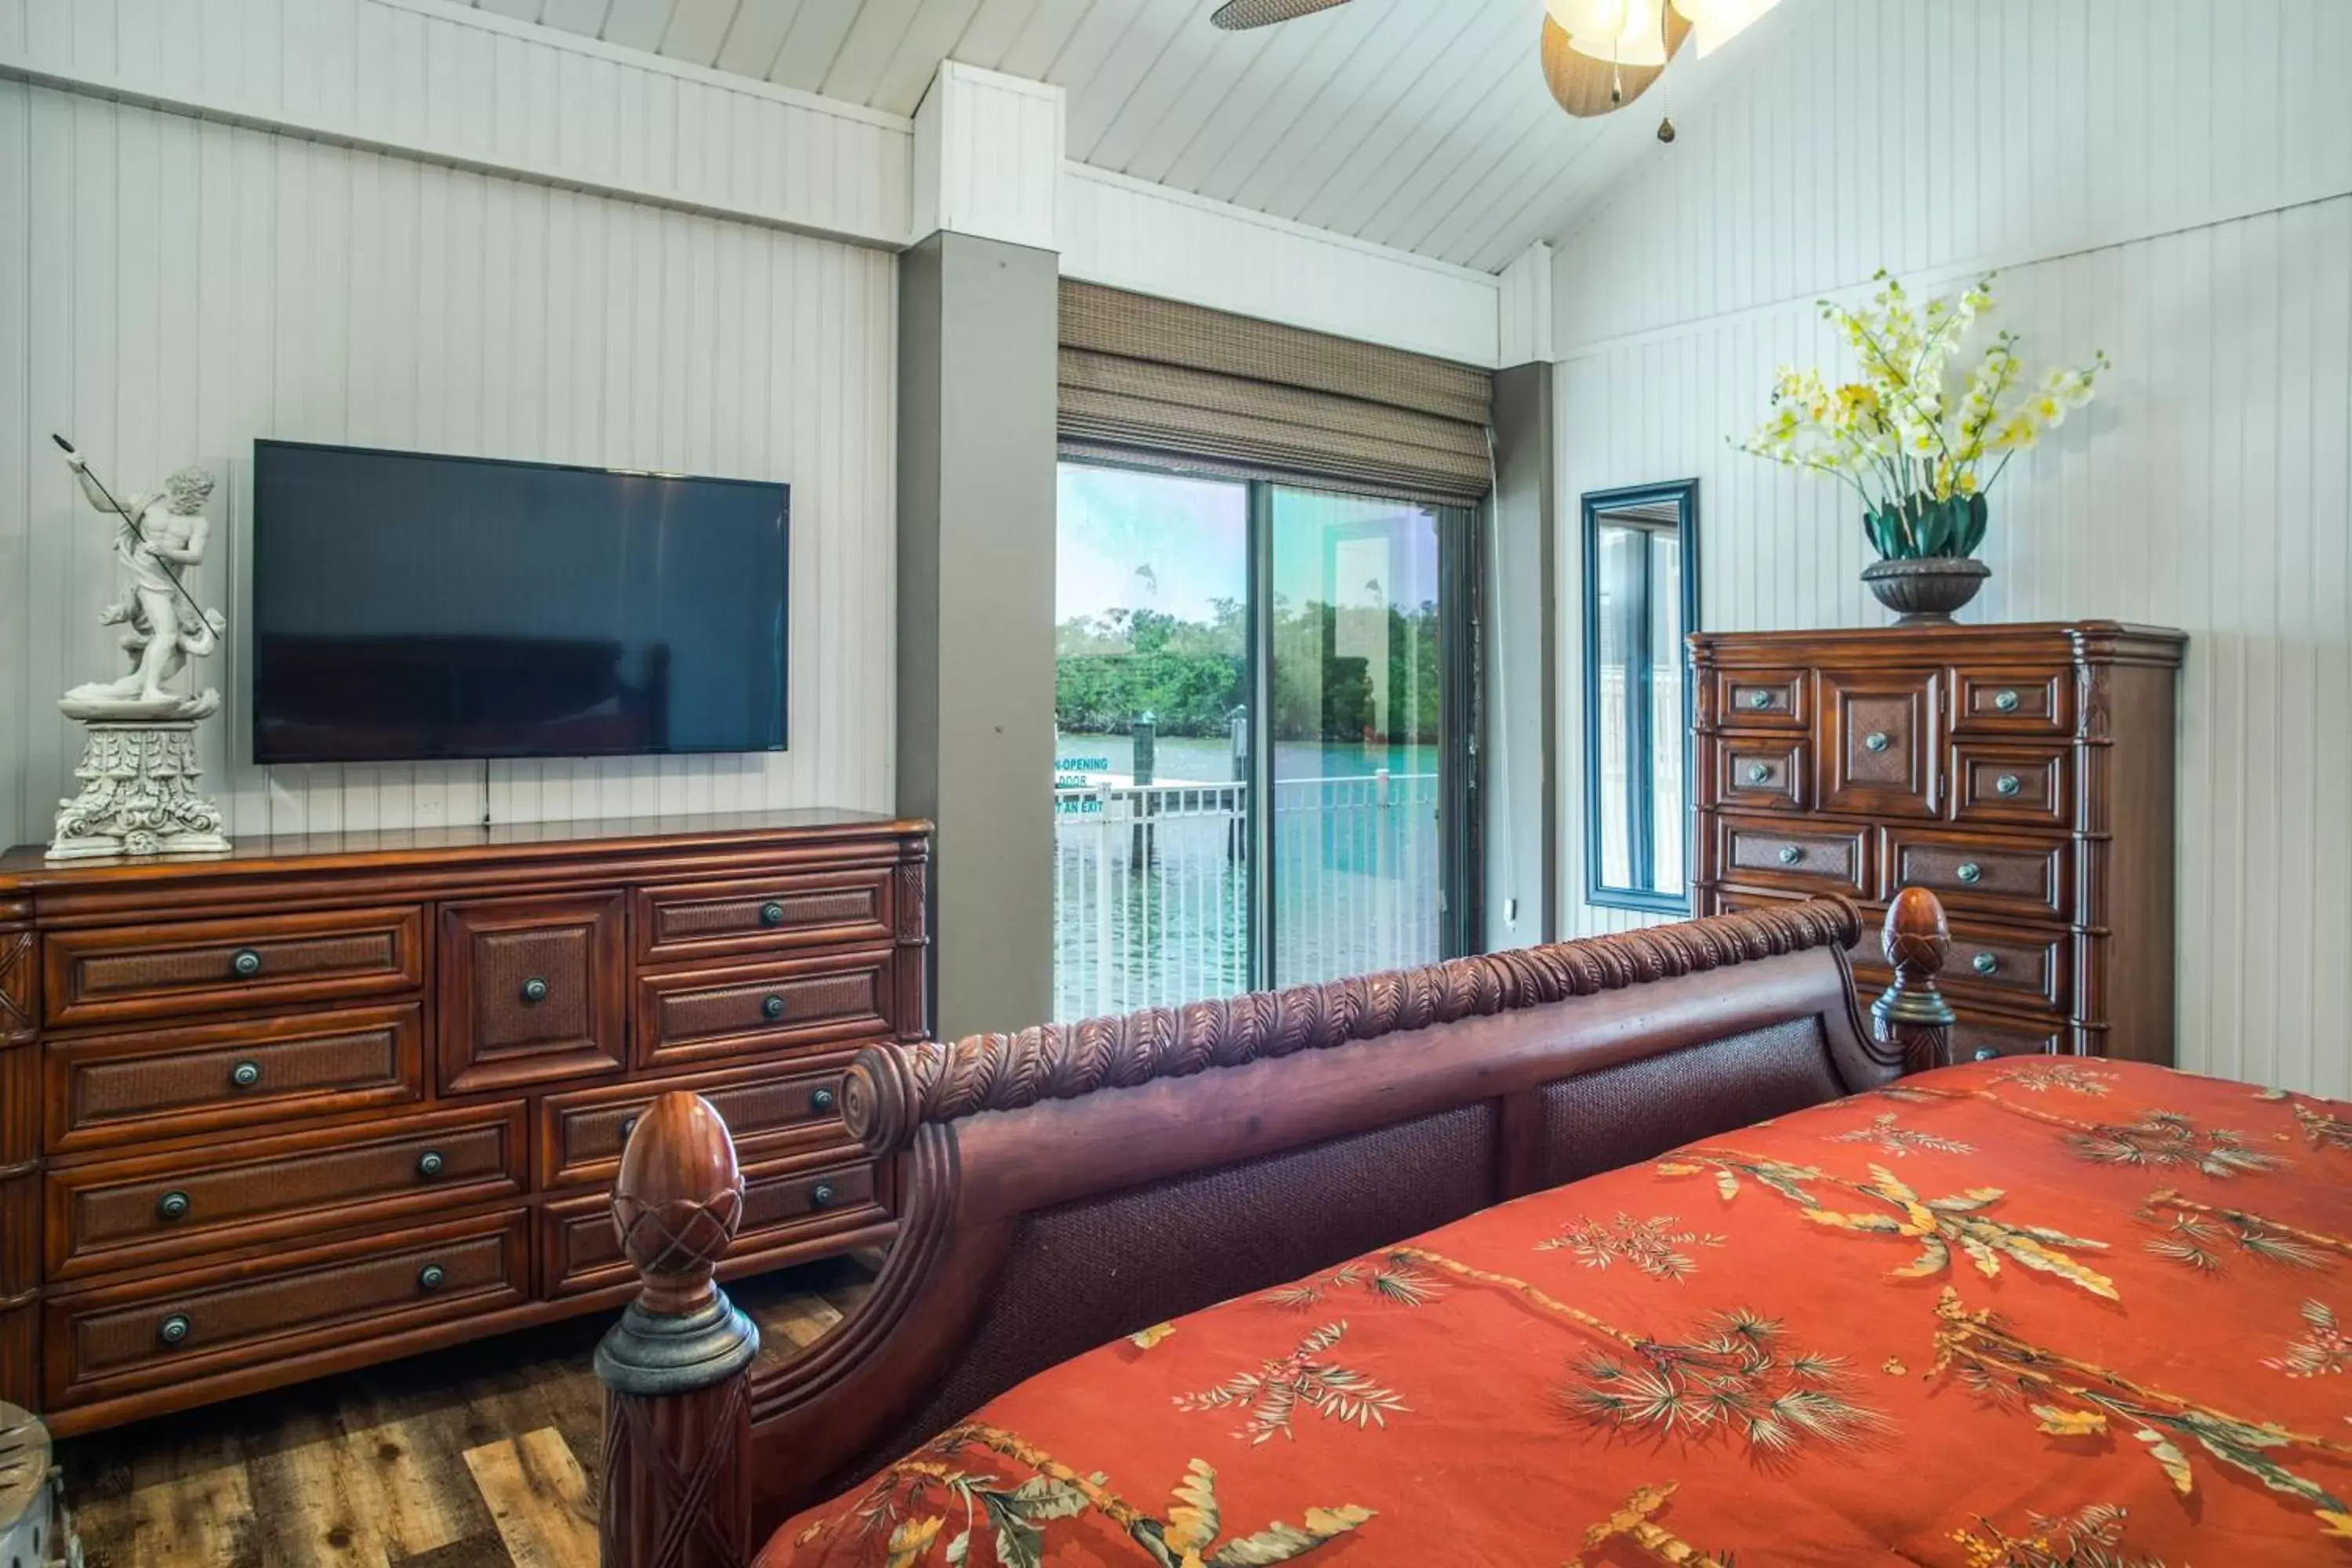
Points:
(1977, 871)
(767, 1111)
(1808, 858)
(2027, 785)
(2013, 701)
(1981, 1037)
(125, 1214)
(795, 1005)
(1763, 699)
(785, 1206)
(116, 1340)
(1762, 772)
(533, 989)
(1880, 739)
(686, 921)
(215, 1078)
(168, 972)
(2003, 966)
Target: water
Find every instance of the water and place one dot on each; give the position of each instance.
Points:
(1189, 759)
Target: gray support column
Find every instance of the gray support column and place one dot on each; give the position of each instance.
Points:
(1522, 664)
(977, 334)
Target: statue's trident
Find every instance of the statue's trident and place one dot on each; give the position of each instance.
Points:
(132, 523)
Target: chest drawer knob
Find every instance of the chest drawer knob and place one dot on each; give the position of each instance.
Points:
(1876, 741)
(1968, 871)
(1759, 700)
(172, 1205)
(245, 1075)
(534, 990)
(2006, 701)
(771, 913)
(2008, 783)
(821, 1101)
(1988, 1055)
(173, 1329)
(771, 1007)
(1759, 772)
(628, 1125)
(429, 1278)
(820, 1196)
(430, 1163)
(1790, 854)
(246, 962)
(1984, 962)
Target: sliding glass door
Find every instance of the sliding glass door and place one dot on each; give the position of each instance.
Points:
(1262, 771)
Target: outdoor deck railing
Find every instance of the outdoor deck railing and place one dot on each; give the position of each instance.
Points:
(1151, 886)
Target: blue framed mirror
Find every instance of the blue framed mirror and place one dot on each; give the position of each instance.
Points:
(1641, 601)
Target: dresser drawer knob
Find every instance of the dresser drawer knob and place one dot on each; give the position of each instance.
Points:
(246, 962)
(2005, 700)
(534, 990)
(1760, 700)
(820, 1196)
(173, 1329)
(429, 1278)
(821, 1101)
(771, 1007)
(1985, 962)
(172, 1205)
(245, 1075)
(1790, 854)
(628, 1125)
(1968, 871)
(1876, 741)
(771, 913)
(1988, 1055)
(2008, 783)
(430, 1163)
(1759, 772)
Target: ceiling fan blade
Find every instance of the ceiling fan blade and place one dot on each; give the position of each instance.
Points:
(1239, 16)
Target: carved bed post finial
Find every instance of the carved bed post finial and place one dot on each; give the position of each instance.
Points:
(1912, 1015)
(677, 1407)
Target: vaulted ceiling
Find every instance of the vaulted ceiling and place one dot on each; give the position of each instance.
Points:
(1421, 124)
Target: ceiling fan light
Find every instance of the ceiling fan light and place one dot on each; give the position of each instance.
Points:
(1595, 18)
(1640, 41)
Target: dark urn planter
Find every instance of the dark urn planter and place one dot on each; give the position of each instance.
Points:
(1925, 590)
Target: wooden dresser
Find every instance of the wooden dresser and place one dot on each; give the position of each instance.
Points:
(2025, 772)
(331, 1101)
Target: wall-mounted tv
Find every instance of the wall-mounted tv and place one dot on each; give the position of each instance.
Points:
(408, 607)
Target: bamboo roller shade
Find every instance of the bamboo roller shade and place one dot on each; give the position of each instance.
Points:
(1151, 380)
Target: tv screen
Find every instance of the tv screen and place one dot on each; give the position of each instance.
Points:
(407, 606)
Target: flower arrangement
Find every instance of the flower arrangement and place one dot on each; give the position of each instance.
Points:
(1916, 456)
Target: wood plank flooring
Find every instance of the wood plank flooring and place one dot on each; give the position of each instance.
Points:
(480, 1456)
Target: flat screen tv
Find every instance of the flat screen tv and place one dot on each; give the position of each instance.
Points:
(407, 606)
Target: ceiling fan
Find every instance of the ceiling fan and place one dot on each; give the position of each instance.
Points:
(1596, 55)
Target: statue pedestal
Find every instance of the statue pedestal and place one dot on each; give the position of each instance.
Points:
(139, 796)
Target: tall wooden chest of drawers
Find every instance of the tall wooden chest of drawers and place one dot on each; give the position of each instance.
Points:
(330, 1101)
(2025, 772)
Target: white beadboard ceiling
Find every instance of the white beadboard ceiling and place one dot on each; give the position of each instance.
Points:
(1419, 125)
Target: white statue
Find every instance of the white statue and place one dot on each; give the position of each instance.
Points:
(139, 770)
(156, 537)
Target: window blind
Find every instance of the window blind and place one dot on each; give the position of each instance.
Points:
(1152, 381)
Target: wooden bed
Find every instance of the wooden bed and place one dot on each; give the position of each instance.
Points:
(1068, 1185)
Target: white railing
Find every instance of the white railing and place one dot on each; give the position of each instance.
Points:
(1151, 886)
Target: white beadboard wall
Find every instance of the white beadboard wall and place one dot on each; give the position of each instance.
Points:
(171, 287)
(1131, 234)
(987, 156)
(2176, 194)
(454, 85)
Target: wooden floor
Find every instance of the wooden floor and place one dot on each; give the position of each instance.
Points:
(480, 1456)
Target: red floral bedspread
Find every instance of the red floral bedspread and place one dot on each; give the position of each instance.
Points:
(2022, 1313)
